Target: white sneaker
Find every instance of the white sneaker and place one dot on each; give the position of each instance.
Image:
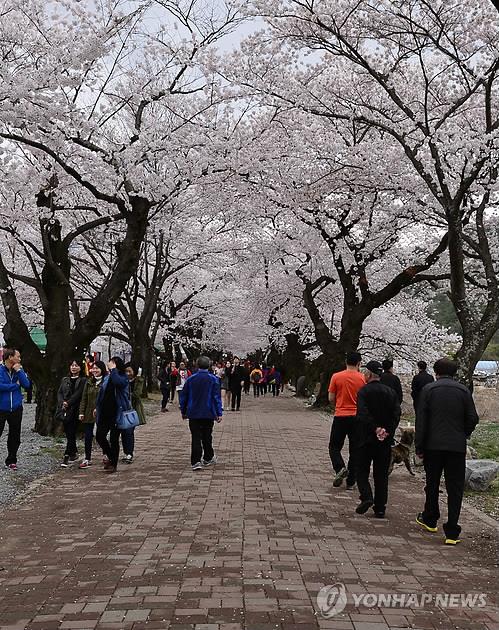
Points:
(198, 466)
(128, 459)
(213, 460)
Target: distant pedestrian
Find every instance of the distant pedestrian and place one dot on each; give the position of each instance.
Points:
(164, 385)
(173, 374)
(255, 378)
(114, 395)
(182, 375)
(264, 383)
(421, 379)
(445, 418)
(274, 378)
(343, 389)
(236, 384)
(390, 379)
(378, 415)
(29, 390)
(12, 378)
(224, 385)
(247, 381)
(87, 408)
(201, 403)
(136, 384)
(68, 409)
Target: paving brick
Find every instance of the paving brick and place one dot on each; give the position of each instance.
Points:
(244, 545)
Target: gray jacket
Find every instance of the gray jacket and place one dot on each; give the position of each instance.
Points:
(445, 416)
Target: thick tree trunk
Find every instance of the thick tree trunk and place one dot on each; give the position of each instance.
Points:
(334, 361)
(46, 403)
(65, 342)
(293, 362)
(471, 351)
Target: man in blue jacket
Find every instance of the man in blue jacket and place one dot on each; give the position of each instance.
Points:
(12, 378)
(201, 402)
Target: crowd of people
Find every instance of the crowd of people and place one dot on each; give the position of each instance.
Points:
(366, 409)
(93, 394)
(234, 377)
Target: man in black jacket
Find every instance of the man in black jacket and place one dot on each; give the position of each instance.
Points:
(390, 379)
(236, 383)
(378, 414)
(445, 418)
(421, 379)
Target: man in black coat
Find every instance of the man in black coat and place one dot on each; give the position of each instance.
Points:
(378, 414)
(445, 418)
(236, 383)
(390, 379)
(421, 379)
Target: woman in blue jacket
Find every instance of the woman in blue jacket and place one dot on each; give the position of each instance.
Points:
(113, 396)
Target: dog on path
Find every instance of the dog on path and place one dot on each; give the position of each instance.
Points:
(401, 450)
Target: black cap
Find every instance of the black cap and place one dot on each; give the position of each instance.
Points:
(375, 367)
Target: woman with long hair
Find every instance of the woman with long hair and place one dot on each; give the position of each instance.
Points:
(87, 407)
(113, 396)
(68, 399)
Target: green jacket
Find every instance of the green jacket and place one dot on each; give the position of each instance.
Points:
(88, 399)
(137, 388)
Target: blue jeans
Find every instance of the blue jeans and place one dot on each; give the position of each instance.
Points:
(128, 441)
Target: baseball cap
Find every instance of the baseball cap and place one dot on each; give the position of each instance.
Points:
(375, 367)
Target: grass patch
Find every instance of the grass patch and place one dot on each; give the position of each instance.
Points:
(53, 450)
(485, 440)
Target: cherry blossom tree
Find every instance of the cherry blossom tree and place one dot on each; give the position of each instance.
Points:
(105, 117)
(420, 78)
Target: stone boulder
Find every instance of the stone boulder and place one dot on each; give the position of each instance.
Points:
(480, 473)
(301, 389)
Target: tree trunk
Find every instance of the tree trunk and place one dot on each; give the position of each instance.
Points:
(334, 361)
(472, 348)
(46, 402)
(294, 362)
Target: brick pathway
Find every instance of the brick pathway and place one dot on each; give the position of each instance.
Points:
(246, 545)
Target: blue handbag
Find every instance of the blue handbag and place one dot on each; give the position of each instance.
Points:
(127, 419)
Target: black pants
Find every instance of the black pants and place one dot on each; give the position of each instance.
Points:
(256, 390)
(201, 440)
(343, 426)
(246, 387)
(29, 395)
(89, 438)
(236, 398)
(165, 393)
(70, 425)
(276, 388)
(13, 419)
(172, 392)
(379, 454)
(110, 447)
(453, 465)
